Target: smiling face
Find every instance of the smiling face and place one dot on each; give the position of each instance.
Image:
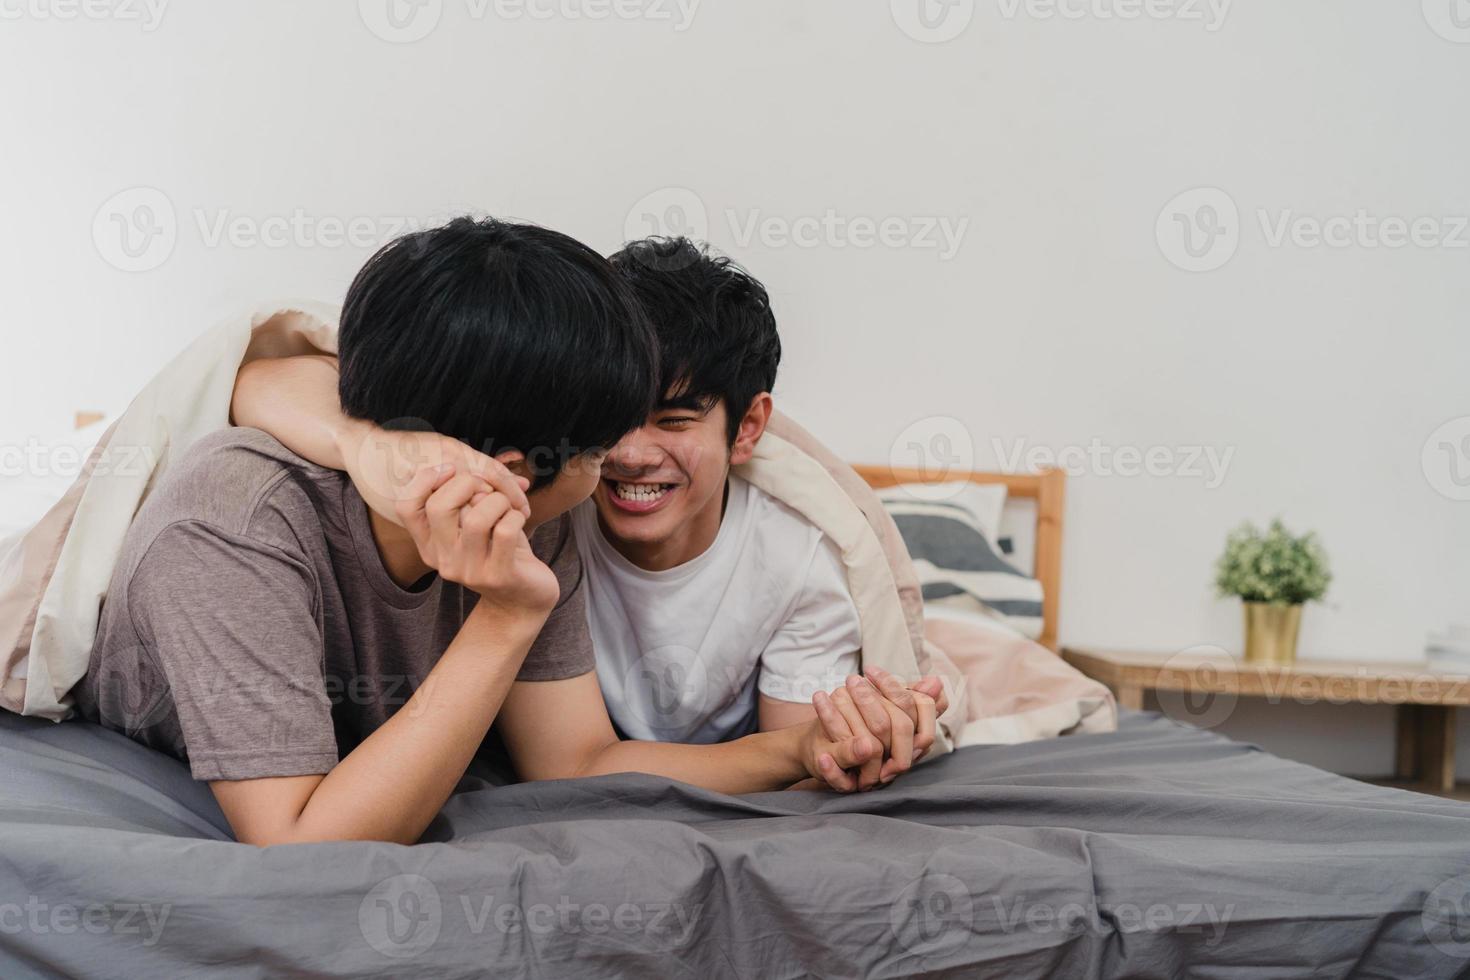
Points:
(662, 492)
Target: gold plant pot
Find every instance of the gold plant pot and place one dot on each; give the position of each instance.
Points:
(1271, 630)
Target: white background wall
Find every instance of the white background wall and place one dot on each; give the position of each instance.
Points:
(1056, 142)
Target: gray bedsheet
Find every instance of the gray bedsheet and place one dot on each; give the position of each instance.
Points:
(1156, 851)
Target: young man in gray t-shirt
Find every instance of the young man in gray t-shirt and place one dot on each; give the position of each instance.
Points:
(331, 673)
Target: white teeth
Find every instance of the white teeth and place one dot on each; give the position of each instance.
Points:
(642, 493)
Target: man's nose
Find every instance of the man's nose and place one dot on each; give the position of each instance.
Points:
(634, 453)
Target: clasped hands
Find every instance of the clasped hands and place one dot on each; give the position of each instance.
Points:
(871, 730)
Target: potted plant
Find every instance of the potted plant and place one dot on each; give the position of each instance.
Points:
(1274, 573)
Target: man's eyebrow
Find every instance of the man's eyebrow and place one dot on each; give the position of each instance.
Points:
(691, 403)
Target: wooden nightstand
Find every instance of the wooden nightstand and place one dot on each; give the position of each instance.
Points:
(1426, 698)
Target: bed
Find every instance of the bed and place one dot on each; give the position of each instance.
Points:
(1153, 851)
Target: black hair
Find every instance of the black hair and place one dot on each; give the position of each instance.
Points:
(716, 332)
(502, 335)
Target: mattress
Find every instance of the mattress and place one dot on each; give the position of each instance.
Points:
(1153, 851)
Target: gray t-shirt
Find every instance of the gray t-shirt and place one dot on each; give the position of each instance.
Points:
(251, 629)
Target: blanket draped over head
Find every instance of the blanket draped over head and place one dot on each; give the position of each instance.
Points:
(53, 576)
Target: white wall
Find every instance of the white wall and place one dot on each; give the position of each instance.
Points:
(1059, 320)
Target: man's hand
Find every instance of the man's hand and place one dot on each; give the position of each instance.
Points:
(828, 759)
(384, 463)
(901, 719)
(923, 701)
(474, 536)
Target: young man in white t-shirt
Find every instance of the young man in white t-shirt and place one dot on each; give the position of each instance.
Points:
(715, 610)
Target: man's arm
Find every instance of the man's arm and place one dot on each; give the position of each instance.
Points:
(775, 715)
(392, 785)
(294, 400)
(560, 730)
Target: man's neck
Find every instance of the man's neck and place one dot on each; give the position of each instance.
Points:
(693, 540)
(400, 555)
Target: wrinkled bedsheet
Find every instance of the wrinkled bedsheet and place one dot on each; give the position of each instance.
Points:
(1153, 851)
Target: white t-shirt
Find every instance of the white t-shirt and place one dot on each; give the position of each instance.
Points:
(681, 653)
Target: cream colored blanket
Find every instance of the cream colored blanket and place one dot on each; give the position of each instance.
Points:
(54, 576)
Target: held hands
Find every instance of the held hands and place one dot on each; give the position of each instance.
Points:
(891, 723)
(473, 534)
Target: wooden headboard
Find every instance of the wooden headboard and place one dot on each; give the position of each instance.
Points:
(1048, 488)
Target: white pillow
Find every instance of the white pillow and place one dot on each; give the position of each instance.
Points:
(978, 504)
(952, 533)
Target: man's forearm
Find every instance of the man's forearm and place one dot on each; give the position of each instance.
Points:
(393, 784)
(753, 764)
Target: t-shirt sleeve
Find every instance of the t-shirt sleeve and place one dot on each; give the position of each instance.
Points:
(819, 644)
(232, 623)
(564, 647)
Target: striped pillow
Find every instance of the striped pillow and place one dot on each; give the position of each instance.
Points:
(952, 533)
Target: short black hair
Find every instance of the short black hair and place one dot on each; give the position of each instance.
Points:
(716, 332)
(502, 335)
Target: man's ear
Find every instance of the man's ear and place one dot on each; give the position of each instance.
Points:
(752, 427)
